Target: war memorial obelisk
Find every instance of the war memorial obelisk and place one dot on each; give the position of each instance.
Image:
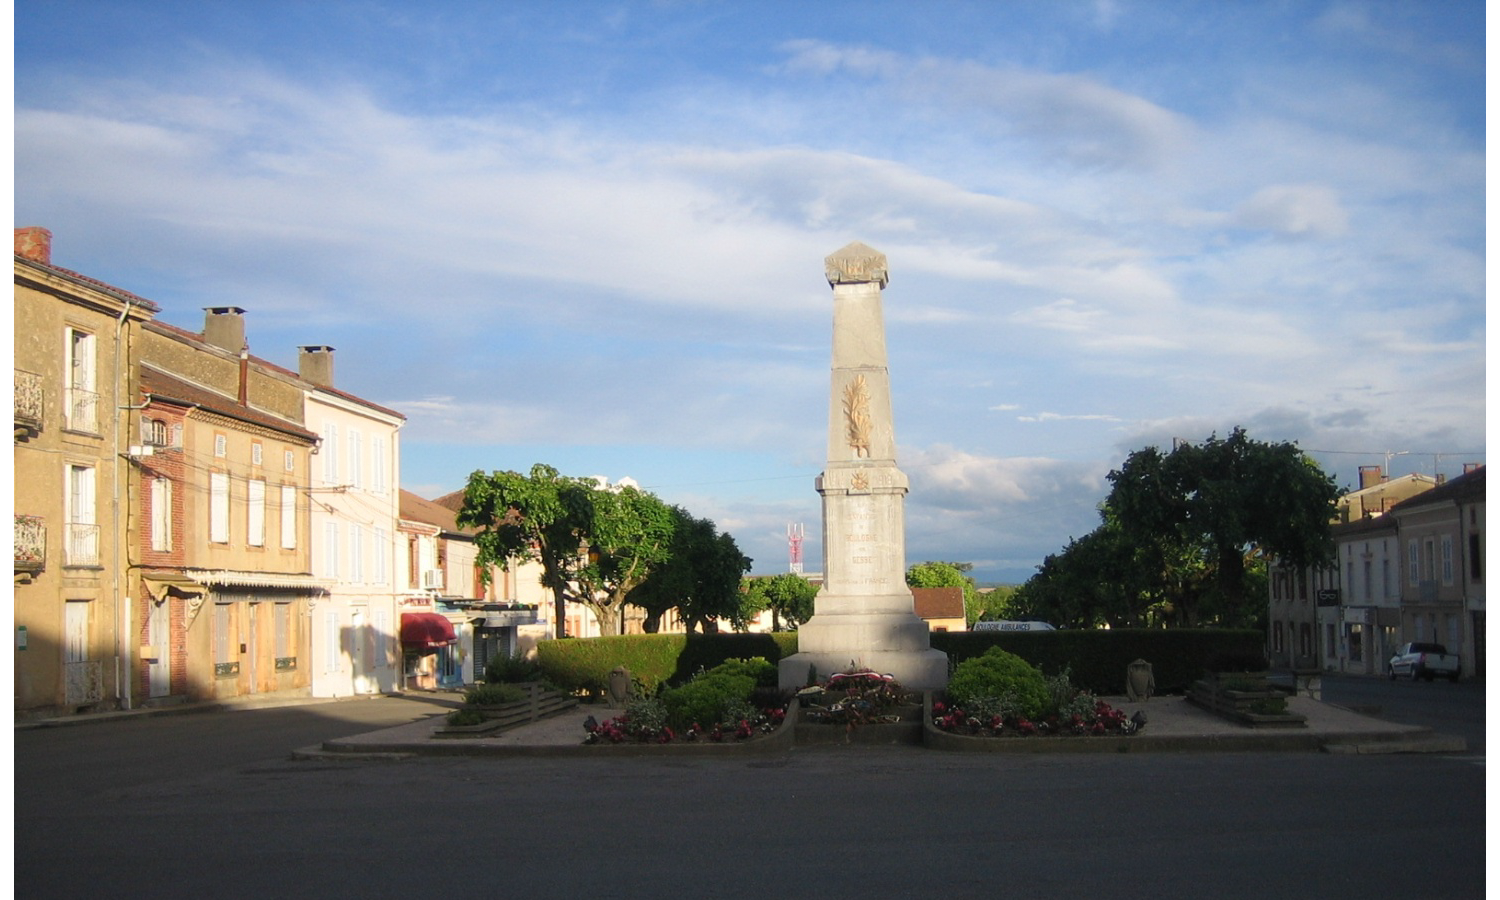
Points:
(863, 616)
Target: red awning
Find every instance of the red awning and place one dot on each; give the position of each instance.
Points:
(426, 630)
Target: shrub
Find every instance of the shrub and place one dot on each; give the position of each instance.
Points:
(465, 717)
(756, 667)
(706, 699)
(511, 670)
(493, 695)
(998, 674)
(584, 665)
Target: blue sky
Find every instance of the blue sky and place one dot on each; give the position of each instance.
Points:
(591, 234)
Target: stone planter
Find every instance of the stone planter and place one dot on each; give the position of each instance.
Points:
(1246, 698)
(538, 704)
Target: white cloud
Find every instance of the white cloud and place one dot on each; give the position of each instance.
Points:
(1308, 210)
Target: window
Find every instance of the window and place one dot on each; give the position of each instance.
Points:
(356, 460)
(382, 552)
(82, 408)
(256, 503)
(378, 464)
(1276, 637)
(154, 433)
(223, 640)
(1369, 579)
(330, 453)
(218, 507)
(161, 514)
(82, 547)
(288, 517)
(1447, 559)
(1413, 564)
(221, 446)
(1385, 576)
(257, 453)
(1356, 643)
(1476, 559)
(331, 550)
(286, 646)
(356, 553)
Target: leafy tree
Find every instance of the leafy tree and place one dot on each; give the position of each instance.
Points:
(700, 577)
(595, 544)
(1184, 535)
(788, 596)
(948, 574)
(1228, 498)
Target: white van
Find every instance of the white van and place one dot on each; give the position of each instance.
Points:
(1012, 626)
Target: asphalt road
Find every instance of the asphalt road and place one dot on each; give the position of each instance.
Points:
(210, 806)
(1457, 709)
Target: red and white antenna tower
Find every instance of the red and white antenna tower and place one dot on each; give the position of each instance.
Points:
(794, 535)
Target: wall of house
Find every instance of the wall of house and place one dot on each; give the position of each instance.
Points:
(358, 546)
(45, 306)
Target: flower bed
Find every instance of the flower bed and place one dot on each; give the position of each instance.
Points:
(638, 729)
(1101, 721)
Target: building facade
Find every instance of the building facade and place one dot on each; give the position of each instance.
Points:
(76, 390)
(1442, 567)
(221, 526)
(355, 535)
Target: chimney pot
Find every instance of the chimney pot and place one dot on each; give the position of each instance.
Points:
(315, 364)
(224, 327)
(34, 243)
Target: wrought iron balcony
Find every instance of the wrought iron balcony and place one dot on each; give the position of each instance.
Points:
(83, 411)
(28, 402)
(83, 545)
(31, 544)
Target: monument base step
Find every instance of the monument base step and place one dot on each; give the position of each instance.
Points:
(919, 670)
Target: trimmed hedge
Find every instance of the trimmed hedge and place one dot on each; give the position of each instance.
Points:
(1097, 660)
(584, 664)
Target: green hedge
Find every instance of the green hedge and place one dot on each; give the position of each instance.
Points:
(584, 664)
(1097, 660)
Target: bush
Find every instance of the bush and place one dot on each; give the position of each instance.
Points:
(585, 664)
(1098, 659)
(493, 695)
(465, 717)
(653, 659)
(704, 700)
(511, 670)
(998, 675)
(756, 667)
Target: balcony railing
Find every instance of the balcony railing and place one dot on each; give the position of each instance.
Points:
(83, 545)
(83, 411)
(31, 543)
(28, 401)
(83, 682)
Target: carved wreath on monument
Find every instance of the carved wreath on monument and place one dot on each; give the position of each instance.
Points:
(857, 415)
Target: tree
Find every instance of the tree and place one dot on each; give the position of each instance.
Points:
(1184, 535)
(788, 596)
(1228, 498)
(595, 544)
(700, 577)
(948, 574)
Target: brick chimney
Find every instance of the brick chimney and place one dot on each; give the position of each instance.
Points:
(224, 327)
(315, 364)
(34, 243)
(1369, 476)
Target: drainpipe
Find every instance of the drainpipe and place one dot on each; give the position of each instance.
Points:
(122, 600)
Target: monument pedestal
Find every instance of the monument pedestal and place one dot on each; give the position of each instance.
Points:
(895, 644)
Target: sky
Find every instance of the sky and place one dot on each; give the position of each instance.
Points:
(591, 234)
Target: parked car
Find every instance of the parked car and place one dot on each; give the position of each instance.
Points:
(1424, 661)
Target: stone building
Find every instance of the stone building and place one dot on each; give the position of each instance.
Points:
(76, 393)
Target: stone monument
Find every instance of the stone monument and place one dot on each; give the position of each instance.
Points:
(864, 614)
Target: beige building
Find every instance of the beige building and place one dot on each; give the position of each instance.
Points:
(1442, 542)
(222, 534)
(75, 392)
